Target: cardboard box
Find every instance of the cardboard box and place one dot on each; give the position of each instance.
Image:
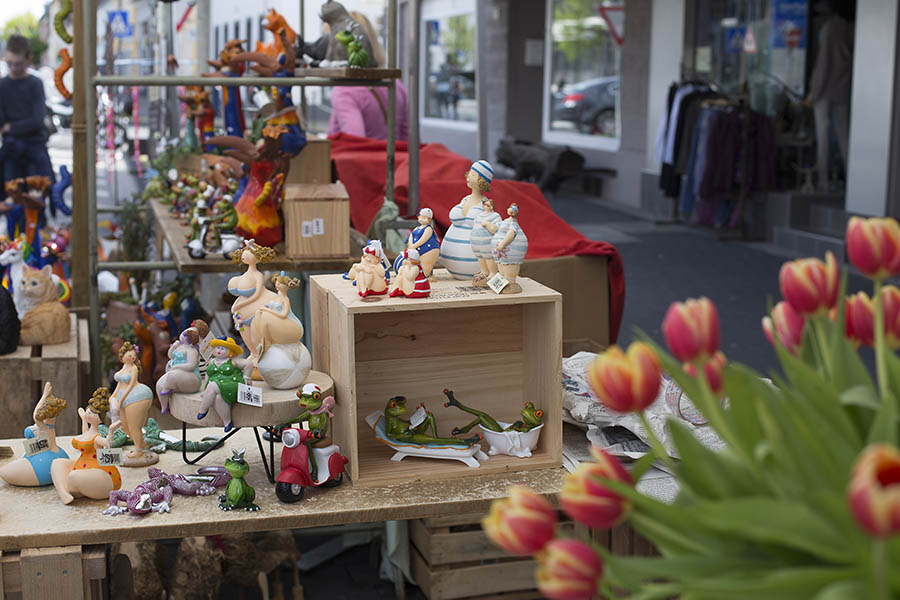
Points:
(316, 220)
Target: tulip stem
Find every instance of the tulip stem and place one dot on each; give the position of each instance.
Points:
(878, 557)
(656, 445)
(821, 337)
(880, 361)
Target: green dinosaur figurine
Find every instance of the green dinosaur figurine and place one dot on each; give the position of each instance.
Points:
(239, 493)
(357, 57)
(401, 430)
(317, 412)
(155, 441)
(531, 417)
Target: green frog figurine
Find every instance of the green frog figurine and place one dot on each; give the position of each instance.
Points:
(416, 429)
(531, 417)
(239, 493)
(317, 412)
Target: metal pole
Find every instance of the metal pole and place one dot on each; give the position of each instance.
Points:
(412, 93)
(392, 101)
(303, 111)
(81, 273)
(482, 14)
(203, 19)
(90, 149)
(171, 96)
(147, 265)
(177, 80)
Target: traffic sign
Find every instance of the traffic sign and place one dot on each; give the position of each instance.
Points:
(118, 23)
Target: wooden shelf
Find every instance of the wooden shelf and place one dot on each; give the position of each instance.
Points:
(348, 73)
(176, 236)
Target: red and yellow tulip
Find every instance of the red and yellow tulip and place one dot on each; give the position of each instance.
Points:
(874, 490)
(568, 570)
(787, 324)
(691, 329)
(873, 246)
(521, 524)
(809, 285)
(625, 382)
(713, 371)
(585, 498)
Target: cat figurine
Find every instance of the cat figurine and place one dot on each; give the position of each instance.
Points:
(327, 47)
(9, 323)
(47, 321)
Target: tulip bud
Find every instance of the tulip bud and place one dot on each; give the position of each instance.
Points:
(568, 570)
(521, 524)
(713, 371)
(874, 490)
(890, 302)
(691, 329)
(787, 324)
(860, 319)
(625, 382)
(873, 246)
(585, 497)
(809, 285)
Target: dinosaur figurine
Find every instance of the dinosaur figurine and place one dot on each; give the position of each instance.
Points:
(531, 417)
(157, 442)
(155, 494)
(356, 55)
(239, 493)
(402, 430)
(329, 47)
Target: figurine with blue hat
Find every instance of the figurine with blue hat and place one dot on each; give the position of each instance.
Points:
(225, 371)
(424, 240)
(509, 246)
(456, 249)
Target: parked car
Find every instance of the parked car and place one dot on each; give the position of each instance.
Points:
(590, 105)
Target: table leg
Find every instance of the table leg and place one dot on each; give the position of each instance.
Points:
(203, 455)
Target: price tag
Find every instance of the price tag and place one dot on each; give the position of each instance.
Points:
(109, 457)
(318, 226)
(306, 230)
(249, 395)
(497, 283)
(418, 417)
(205, 348)
(168, 438)
(38, 444)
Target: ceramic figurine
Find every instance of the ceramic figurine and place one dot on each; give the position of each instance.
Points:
(329, 47)
(190, 129)
(276, 323)
(369, 274)
(224, 372)
(456, 249)
(34, 468)
(403, 430)
(24, 208)
(238, 493)
(309, 458)
(9, 323)
(226, 66)
(423, 239)
(47, 320)
(84, 477)
(357, 57)
(275, 23)
(14, 258)
(484, 227)
(411, 280)
(515, 439)
(509, 246)
(284, 362)
(372, 247)
(183, 368)
(129, 404)
(155, 494)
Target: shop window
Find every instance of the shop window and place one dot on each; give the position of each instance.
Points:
(448, 61)
(583, 52)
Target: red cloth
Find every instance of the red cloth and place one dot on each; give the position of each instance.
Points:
(361, 166)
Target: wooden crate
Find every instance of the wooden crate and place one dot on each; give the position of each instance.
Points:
(71, 572)
(316, 220)
(313, 164)
(22, 377)
(495, 352)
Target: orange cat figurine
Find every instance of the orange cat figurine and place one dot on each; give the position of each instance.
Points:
(47, 321)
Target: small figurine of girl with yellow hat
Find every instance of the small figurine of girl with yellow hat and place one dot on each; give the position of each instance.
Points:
(224, 372)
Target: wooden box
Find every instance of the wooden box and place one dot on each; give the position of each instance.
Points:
(22, 377)
(316, 220)
(495, 353)
(72, 572)
(313, 164)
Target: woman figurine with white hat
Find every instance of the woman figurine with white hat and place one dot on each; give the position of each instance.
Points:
(456, 249)
(509, 246)
(411, 280)
(370, 274)
(485, 226)
(424, 240)
(225, 371)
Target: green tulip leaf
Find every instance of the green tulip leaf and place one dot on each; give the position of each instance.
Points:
(849, 589)
(709, 474)
(864, 396)
(642, 465)
(772, 584)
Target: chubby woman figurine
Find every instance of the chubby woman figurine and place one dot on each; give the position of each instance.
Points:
(424, 240)
(84, 477)
(251, 292)
(372, 247)
(223, 373)
(34, 469)
(510, 245)
(183, 369)
(411, 280)
(483, 229)
(370, 274)
(456, 249)
(129, 404)
(275, 323)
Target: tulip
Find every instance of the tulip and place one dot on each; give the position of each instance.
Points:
(521, 524)
(568, 570)
(691, 329)
(873, 246)
(860, 317)
(809, 285)
(585, 498)
(874, 490)
(625, 382)
(787, 324)
(713, 373)
(890, 302)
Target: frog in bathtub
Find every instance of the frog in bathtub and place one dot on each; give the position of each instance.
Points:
(531, 417)
(415, 430)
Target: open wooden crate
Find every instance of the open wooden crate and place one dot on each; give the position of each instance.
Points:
(494, 352)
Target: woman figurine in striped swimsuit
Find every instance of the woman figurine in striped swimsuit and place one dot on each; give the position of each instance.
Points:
(411, 280)
(510, 245)
(486, 224)
(456, 249)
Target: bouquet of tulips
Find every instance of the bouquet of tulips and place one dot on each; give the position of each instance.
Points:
(804, 499)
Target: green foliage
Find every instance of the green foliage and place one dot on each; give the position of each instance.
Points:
(26, 24)
(459, 40)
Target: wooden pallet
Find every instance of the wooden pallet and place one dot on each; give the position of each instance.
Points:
(71, 572)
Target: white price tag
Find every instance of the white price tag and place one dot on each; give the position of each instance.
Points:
(306, 230)
(109, 457)
(497, 283)
(418, 417)
(318, 226)
(205, 349)
(38, 444)
(168, 438)
(249, 395)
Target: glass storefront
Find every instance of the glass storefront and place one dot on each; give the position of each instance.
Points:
(449, 61)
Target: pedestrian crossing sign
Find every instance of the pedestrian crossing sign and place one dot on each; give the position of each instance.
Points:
(118, 23)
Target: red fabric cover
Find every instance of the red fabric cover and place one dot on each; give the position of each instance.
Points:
(361, 166)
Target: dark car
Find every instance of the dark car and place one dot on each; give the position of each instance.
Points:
(590, 105)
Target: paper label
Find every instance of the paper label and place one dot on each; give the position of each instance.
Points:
(171, 439)
(418, 417)
(318, 226)
(307, 229)
(249, 395)
(36, 445)
(497, 283)
(109, 457)
(205, 348)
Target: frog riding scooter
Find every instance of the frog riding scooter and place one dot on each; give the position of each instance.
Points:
(309, 458)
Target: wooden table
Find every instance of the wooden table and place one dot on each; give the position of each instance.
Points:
(176, 235)
(34, 518)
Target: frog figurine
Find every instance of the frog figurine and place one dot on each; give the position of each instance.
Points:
(402, 430)
(531, 417)
(239, 493)
(317, 413)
